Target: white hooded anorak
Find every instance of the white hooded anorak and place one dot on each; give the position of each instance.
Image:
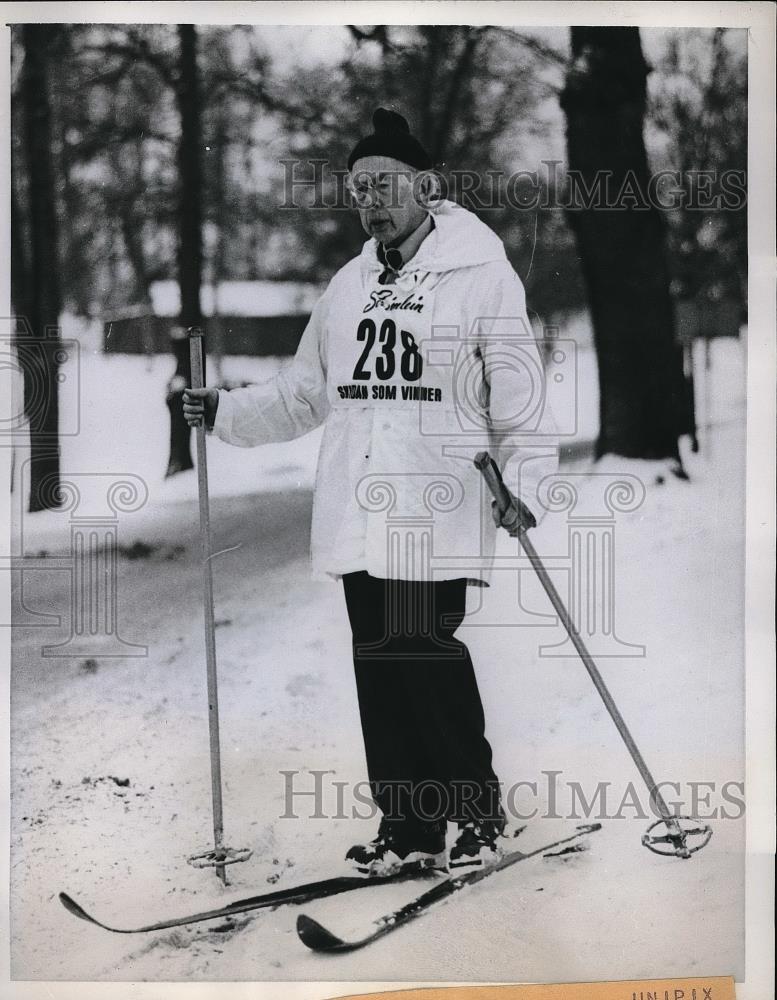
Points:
(411, 380)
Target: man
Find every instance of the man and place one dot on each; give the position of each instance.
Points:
(418, 354)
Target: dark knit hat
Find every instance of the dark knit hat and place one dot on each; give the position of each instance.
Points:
(391, 137)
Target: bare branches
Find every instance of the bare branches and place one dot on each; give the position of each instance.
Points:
(88, 147)
(254, 89)
(458, 77)
(134, 50)
(535, 46)
(378, 34)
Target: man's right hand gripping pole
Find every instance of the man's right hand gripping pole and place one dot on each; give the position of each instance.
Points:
(199, 404)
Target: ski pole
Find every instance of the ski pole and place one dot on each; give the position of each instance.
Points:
(676, 835)
(220, 855)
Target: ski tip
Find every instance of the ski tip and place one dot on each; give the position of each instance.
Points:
(72, 907)
(316, 936)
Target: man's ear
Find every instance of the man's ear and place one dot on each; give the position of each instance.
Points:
(428, 189)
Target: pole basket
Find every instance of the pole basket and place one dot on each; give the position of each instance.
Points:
(220, 857)
(677, 837)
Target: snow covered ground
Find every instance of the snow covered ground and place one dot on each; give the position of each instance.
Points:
(81, 727)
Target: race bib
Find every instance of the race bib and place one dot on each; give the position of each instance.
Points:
(376, 350)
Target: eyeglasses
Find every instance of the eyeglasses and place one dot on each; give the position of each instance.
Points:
(368, 190)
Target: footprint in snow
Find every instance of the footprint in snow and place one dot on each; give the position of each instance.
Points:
(303, 685)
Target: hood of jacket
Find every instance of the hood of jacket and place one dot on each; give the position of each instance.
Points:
(459, 239)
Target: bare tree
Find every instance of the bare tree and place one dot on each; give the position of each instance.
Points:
(622, 248)
(37, 294)
(189, 241)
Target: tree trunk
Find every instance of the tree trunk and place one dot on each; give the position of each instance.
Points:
(189, 242)
(461, 69)
(216, 331)
(190, 175)
(127, 167)
(21, 293)
(622, 248)
(37, 329)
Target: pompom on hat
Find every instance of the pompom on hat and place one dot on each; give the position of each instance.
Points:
(391, 137)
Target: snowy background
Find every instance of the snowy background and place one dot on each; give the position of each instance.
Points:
(110, 779)
(110, 771)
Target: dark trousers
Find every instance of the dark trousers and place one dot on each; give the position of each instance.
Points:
(428, 759)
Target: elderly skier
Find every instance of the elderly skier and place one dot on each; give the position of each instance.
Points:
(418, 353)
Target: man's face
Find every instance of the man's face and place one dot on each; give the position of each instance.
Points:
(384, 191)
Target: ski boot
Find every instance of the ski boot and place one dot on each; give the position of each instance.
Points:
(399, 848)
(477, 846)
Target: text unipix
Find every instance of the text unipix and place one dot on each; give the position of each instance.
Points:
(705, 993)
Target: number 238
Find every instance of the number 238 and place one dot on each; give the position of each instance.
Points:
(411, 363)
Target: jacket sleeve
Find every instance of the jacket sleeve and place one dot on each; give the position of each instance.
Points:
(521, 424)
(286, 406)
